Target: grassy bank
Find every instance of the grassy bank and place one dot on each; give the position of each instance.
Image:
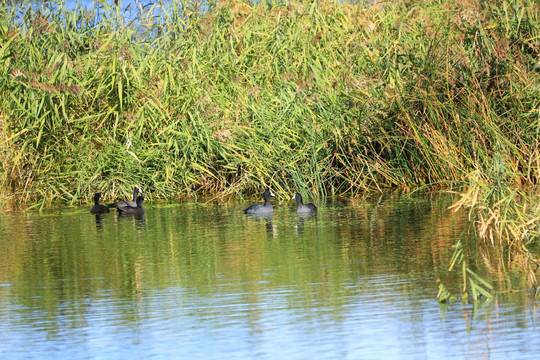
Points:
(329, 97)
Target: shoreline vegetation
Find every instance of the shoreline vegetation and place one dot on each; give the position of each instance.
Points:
(332, 98)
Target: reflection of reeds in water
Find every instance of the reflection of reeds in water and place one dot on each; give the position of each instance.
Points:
(317, 96)
(201, 248)
(506, 221)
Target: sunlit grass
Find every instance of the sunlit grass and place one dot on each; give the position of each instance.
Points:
(326, 97)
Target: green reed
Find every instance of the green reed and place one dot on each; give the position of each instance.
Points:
(325, 97)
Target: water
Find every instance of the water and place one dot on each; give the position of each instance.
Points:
(205, 281)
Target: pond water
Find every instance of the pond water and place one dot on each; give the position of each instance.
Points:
(202, 280)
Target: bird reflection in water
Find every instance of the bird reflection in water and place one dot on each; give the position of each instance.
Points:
(302, 218)
(270, 228)
(99, 224)
(138, 219)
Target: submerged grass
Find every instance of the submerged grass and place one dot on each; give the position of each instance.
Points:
(226, 97)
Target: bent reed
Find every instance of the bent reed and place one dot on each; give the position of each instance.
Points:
(330, 97)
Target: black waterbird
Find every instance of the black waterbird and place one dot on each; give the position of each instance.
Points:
(265, 208)
(98, 208)
(133, 210)
(127, 203)
(304, 208)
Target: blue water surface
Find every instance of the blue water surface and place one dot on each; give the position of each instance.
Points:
(204, 281)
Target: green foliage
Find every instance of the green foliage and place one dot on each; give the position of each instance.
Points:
(326, 97)
(473, 286)
(444, 296)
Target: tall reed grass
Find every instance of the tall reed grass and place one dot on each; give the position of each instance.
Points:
(330, 97)
(506, 221)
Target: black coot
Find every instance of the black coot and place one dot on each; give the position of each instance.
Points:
(303, 208)
(265, 208)
(98, 208)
